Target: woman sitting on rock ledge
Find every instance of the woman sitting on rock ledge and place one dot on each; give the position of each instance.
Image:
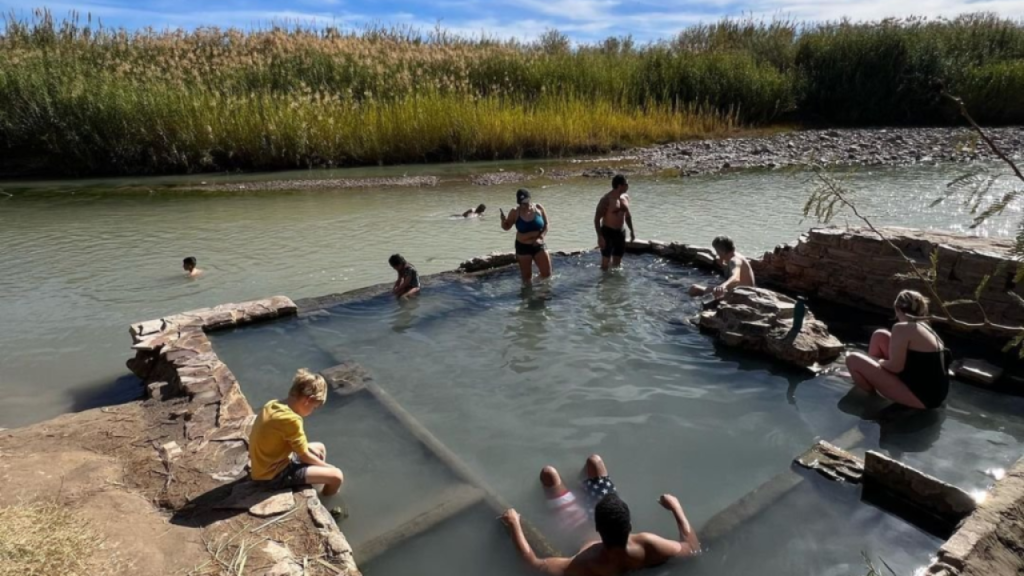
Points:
(908, 365)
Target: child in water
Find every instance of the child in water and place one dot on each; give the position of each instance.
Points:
(408, 282)
(189, 264)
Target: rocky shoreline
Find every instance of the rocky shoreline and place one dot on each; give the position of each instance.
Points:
(835, 147)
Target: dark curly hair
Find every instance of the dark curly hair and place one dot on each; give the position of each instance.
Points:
(612, 520)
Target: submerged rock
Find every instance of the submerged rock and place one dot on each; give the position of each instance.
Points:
(760, 320)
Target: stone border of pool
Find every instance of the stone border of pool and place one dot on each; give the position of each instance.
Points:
(174, 358)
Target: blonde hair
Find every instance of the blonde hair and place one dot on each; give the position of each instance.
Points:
(308, 385)
(912, 303)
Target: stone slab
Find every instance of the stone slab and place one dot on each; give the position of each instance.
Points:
(832, 462)
(925, 492)
(977, 371)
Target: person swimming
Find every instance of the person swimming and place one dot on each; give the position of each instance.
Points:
(619, 551)
(189, 264)
(532, 225)
(909, 365)
(475, 213)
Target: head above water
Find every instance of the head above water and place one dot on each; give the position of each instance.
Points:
(397, 261)
(911, 304)
(619, 182)
(723, 245)
(308, 392)
(480, 209)
(523, 196)
(612, 520)
(189, 264)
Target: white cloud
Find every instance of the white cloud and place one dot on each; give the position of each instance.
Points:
(584, 20)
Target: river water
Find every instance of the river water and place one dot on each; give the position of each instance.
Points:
(81, 260)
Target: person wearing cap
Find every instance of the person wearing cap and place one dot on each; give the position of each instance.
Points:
(531, 222)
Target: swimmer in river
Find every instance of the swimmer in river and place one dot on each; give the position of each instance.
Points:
(189, 264)
(408, 282)
(610, 221)
(619, 551)
(475, 213)
(532, 224)
(737, 268)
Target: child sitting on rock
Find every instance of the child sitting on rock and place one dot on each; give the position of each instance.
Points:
(279, 453)
(408, 282)
(737, 268)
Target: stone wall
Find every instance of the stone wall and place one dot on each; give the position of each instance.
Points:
(991, 541)
(175, 359)
(853, 266)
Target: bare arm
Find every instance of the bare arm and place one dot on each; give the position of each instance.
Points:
(547, 224)
(508, 220)
(551, 566)
(734, 277)
(897, 350)
(308, 457)
(629, 218)
(602, 207)
(688, 544)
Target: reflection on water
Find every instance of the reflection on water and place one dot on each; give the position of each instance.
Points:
(512, 382)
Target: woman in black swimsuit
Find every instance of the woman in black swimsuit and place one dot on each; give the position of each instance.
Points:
(531, 222)
(908, 365)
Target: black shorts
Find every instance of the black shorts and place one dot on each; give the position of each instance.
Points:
(614, 242)
(294, 474)
(529, 249)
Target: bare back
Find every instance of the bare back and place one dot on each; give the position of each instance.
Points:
(644, 550)
(746, 277)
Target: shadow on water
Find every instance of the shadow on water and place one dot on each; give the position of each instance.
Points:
(902, 430)
(122, 390)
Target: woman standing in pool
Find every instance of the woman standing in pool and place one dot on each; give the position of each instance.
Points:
(531, 222)
(907, 365)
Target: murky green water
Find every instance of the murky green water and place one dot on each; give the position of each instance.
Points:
(81, 260)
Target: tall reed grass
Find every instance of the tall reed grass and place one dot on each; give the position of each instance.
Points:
(89, 99)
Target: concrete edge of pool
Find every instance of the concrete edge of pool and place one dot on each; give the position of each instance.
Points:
(174, 358)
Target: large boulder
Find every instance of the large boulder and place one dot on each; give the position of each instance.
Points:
(760, 320)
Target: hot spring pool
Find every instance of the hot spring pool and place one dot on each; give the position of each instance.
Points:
(512, 380)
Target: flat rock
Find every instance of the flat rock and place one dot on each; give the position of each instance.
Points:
(252, 496)
(279, 503)
(832, 462)
(760, 320)
(347, 378)
(977, 371)
(495, 260)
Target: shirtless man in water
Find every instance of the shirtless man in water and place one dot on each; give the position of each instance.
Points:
(618, 551)
(610, 220)
(737, 267)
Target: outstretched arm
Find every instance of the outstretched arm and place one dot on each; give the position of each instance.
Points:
(551, 566)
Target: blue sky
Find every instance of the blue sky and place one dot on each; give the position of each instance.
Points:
(583, 20)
